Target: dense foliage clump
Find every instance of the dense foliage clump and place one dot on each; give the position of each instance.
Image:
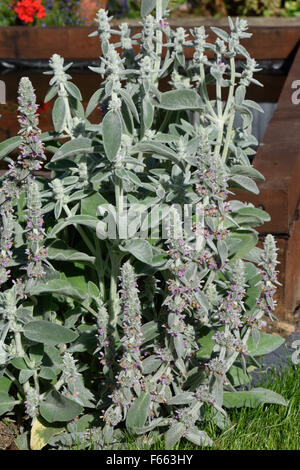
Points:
(133, 292)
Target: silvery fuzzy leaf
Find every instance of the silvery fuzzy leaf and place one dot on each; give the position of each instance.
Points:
(86, 220)
(296, 354)
(112, 133)
(147, 6)
(255, 336)
(72, 147)
(202, 300)
(146, 86)
(243, 182)
(150, 364)
(222, 250)
(80, 194)
(180, 58)
(165, 66)
(57, 209)
(240, 94)
(253, 398)
(51, 93)
(247, 170)
(148, 113)
(94, 101)
(200, 438)
(220, 32)
(181, 365)
(174, 434)
(56, 407)
(80, 394)
(172, 319)
(179, 345)
(73, 90)
(237, 376)
(59, 114)
(254, 105)
(157, 148)
(183, 398)
(241, 50)
(243, 362)
(138, 412)
(211, 244)
(217, 390)
(154, 423)
(129, 102)
(127, 118)
(177, 100)
(57, 286)
(140, 249)
(108, 433)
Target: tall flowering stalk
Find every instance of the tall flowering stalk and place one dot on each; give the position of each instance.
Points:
(36, 251)
(6, 243)
(129, 379)
(20, 174)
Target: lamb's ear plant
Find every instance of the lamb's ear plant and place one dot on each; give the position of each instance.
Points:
(106, 328)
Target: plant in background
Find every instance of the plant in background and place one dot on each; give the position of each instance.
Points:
(63, 13)
(7, 15)
(28, 10)
(292, 9)
(258, 7)
(41, 13)
(133, 292)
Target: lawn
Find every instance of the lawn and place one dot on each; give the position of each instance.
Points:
(268, 427)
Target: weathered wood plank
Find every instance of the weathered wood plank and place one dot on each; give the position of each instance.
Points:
(278, 159)
(272, 38)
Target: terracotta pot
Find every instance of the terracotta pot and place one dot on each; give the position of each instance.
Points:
(89, 9)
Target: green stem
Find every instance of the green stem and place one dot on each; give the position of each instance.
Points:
(205, 93)
(100, 267)
(159, 38)
(228, 138)
(209, 280)
(68, 118)
(220, 118)
(90, 309)
(114, 304)
(227, 110)
(15, 381)
(81, 231)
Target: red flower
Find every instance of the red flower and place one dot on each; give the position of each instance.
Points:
(27, 9)
(43, 107)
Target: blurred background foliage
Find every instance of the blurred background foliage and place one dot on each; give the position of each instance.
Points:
(75, 12)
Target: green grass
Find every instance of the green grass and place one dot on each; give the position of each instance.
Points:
(268, 427)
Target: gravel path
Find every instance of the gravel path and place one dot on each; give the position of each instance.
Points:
(278, 359)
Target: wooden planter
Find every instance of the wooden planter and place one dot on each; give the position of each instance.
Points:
(278, 156)
(273, 38)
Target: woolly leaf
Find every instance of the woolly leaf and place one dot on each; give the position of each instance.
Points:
(138, 412)
(41, 433)
(267, 344)
(43, 331)
(112, 133)
(72, 147)
(174, 434)
(7, 402)
(59, 114)
(56, 407)
(252, 399)
(176, 100)
(147, 6)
